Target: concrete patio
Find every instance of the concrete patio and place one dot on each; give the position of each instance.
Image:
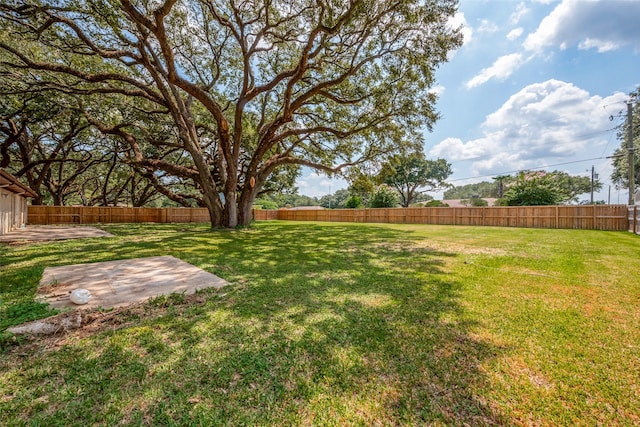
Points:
(119, 283)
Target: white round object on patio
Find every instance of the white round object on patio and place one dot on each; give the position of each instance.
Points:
(80, 296)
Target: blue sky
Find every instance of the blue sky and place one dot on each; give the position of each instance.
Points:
(534, 85)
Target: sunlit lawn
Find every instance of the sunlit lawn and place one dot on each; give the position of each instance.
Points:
(342, 324)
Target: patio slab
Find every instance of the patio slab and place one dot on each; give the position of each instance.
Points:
(119, 283)
(52, 232)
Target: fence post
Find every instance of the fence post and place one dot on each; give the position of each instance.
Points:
(635, 219)
(557, 207)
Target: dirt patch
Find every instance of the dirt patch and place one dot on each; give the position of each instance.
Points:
(124, 282)
(78, 324)
(51, 232)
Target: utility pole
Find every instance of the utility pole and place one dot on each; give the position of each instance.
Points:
(632, 173)
(594, 176)
(500, 179)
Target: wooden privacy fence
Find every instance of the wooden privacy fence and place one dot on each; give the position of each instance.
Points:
(45, 215)
(634, 219)
(589, 217)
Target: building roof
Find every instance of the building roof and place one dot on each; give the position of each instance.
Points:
(11, 183)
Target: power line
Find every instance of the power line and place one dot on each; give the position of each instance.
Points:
(534, 168)
(611, 135)
(541, 167)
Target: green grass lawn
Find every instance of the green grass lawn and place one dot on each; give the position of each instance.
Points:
(341, 324)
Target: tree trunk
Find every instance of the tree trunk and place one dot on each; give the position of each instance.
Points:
(212, 202)
(230, 214)
(245, 205)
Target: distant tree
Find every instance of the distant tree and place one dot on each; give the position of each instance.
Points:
(475, 202)
(384, 197)
(573, 186)
(361, 184)
(435, 204)
(620, 174)
(353, 202)
(500, 182)
(287, 199)
(265, 204)
(411, 175)
(482, 189)
(533, 189)
(336, 200)
(541, 187)
(424, 197)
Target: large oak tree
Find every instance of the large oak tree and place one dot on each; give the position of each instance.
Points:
(250, 86)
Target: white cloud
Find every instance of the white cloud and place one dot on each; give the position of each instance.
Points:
(454, 149)
(515, 33)
(600, 45)
(604, 25)
(521, 10)
(502, 68)
(487, 26)
(544, 123)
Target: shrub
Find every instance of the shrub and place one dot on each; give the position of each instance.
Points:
(475, 202)
(353, 202)
(435, 204)
(265, 204)
(384, 197)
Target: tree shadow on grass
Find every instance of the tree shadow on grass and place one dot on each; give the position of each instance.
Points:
(325, 325)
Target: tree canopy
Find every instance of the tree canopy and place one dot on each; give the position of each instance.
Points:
(468, 191)
(620, 174)
(411, 175)
(384, 197)
(529, 188)
(226, 93)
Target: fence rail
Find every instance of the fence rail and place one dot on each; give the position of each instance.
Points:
(46, 215)
(590, 217)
